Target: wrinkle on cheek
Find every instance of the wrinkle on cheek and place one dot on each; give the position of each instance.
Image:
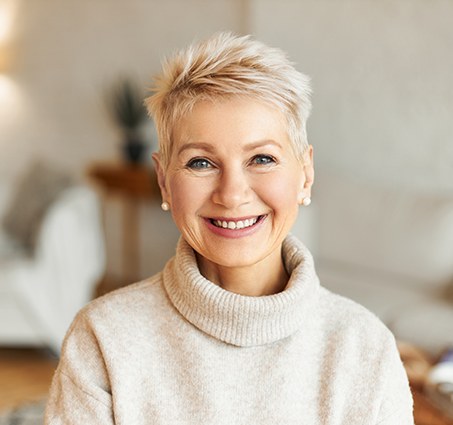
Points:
(193, 240)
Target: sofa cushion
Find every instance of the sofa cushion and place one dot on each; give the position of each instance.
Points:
(383, 229)
(36, 190)
(388, 296)
(9, 248)
(429, 326)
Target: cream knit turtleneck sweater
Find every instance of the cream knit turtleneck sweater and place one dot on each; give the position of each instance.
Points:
(178, 349)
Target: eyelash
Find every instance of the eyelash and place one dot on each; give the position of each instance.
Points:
(194, 163)
(269, 159)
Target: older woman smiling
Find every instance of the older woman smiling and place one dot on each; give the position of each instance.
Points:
(235, 185)
(236, 329)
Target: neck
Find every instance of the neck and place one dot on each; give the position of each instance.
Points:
(267, 277)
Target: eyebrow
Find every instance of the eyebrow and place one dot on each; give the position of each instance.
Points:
(193, 145)
(209, 148)
(262, 143)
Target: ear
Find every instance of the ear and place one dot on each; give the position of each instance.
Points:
(161, 177)
(309, 174)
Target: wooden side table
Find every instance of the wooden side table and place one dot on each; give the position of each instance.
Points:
(427, 414)
(134, 185)
(418, 364)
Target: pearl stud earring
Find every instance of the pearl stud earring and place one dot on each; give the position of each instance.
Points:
(306, 201)
(165, 206)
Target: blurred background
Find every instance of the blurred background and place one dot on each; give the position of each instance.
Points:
(381, 222)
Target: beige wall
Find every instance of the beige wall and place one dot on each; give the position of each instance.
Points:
(381, 72)
(383, 86)
(63, 55)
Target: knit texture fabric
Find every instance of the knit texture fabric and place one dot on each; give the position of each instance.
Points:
(178, 349)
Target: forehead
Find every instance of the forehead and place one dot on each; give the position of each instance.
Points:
(230, 123)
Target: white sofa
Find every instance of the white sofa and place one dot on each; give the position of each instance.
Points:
(40, 295)
(390, 250)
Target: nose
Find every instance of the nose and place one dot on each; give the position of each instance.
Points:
(232, 189)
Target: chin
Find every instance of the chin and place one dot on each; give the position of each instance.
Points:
(235, 258)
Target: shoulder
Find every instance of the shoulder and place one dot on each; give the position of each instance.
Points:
(358, 342)
(350, 321)
(131, 303)
(357, 348)
(116, 320)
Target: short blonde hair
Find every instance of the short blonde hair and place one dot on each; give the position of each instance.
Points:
(224, 66)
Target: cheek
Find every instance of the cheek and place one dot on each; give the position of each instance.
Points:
(187, 194)
(281, 192)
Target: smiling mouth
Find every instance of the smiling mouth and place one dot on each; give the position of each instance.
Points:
(238, 224)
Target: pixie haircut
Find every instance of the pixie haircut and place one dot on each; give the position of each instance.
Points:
(222, 67)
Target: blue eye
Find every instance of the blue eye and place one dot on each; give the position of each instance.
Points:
(198, 164)
(263, 160)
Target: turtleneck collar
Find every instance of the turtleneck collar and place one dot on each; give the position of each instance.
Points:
(238, 319)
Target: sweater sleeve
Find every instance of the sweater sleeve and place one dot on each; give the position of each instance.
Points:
(397, 404)
(80, 391)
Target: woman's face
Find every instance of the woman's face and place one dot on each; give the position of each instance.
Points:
(233, 182)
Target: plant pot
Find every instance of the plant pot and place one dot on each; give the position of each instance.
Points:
(134, 152)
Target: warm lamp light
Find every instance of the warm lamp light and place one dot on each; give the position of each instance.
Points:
(4, 59)
(11, 103)
(4, 88)
(4, 26)
(7, 12)
(11, 106)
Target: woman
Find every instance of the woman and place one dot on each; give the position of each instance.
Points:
(236, 329)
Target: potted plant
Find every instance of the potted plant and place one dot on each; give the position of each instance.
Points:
(125, 103)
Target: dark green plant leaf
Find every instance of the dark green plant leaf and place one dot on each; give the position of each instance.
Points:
(125, 103)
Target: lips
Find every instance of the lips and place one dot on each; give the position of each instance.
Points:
(236, 224)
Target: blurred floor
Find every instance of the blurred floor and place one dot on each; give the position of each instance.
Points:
(25, 375)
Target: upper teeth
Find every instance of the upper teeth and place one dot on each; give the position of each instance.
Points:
(236, 224)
